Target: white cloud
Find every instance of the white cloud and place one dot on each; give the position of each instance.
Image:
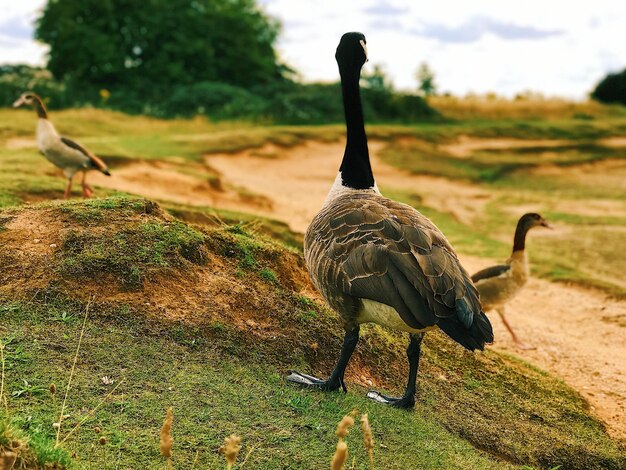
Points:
(16, 26)
(508, 46)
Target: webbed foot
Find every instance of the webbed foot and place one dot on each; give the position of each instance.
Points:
(306, 380)
(405, 402)
(524, 346)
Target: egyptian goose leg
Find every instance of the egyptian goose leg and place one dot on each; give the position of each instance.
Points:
(68, 188)
(87, 191)
(406, 401)
(335, 381)
(520, 344)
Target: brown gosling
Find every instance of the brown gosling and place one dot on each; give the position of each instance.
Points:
(497, 285)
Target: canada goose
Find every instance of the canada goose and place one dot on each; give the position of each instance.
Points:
(497, 285)
(61, 151)
(377, 260)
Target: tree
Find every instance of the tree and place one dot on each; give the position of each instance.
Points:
(151, 46)
(426, 79)
(377, 79)
(612, 89)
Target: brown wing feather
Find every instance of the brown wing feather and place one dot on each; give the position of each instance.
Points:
(378, 249)
(95, 161)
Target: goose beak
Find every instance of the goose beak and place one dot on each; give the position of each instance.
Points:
(19, 102)
(364, 46)
(544, 223)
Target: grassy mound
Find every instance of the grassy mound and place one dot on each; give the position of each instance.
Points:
(207, 320)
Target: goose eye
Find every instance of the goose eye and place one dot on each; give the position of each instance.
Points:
(364, 46)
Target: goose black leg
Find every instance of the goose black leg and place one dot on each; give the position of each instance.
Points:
(407, 401)
(335, 381)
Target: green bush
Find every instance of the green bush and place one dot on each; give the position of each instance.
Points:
(216, 100)
(283, 101)
(612, 89)
(305, 104)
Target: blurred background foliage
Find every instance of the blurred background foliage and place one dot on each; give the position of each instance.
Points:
(179, 58)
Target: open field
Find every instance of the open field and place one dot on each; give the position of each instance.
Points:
(207, 317)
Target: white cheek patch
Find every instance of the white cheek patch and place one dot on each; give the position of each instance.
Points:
(364, 46)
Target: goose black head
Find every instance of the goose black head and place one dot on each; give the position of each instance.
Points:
(533, 219)
(26, 99)
(351, 52)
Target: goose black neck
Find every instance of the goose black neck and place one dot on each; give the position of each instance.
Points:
(40, 108)
(356, 171)
(519, 241)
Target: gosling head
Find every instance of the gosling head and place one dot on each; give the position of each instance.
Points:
(533, 219)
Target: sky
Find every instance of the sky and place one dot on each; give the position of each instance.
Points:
(555, 47)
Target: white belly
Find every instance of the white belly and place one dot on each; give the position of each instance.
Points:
(385, 315)
(49, 143)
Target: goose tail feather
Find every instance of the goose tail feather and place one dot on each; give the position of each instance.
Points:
(475, 337)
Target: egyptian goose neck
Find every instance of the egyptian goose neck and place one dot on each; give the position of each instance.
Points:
(40, 107)
(525, 223)
(356, 171)
(519, 240)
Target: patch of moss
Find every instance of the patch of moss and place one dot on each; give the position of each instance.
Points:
(269, 275)
(129, 253)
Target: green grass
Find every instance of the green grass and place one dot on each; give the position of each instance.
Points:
(215, 394)
(491, 166)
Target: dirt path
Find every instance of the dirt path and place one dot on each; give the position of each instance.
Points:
(465, 146)
(580, 334)
(298, 182)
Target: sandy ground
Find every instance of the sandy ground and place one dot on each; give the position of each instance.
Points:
(580, 334)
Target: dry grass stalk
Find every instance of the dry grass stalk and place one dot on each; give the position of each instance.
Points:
(344, 426)
(69, 382)
(2, 399)
(341, 453)
(368, 439)
(246, 457)
(230, 449)
(340, 457)
(166, 436)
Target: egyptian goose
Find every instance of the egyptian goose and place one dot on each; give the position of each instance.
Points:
(498, 284)
(61, 151)
(377, 260)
